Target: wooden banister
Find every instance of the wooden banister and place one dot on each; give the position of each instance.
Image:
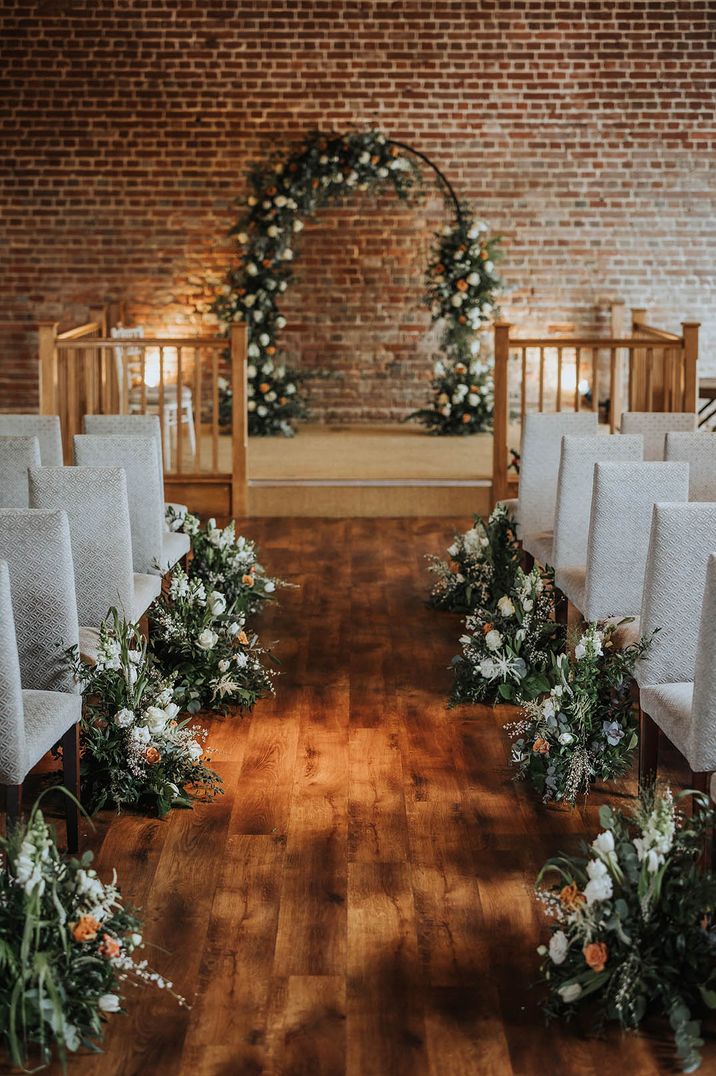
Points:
(501, 412)
(47, 348)
(690, 330)
(240, 423)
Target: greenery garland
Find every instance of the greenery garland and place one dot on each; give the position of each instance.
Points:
(461, 283)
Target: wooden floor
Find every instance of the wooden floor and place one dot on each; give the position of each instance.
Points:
(360, 900)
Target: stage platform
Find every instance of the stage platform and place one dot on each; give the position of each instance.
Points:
(389, 470)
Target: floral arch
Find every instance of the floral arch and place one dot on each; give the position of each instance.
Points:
(460, 277)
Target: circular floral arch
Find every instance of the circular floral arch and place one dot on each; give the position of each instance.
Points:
(460, 290)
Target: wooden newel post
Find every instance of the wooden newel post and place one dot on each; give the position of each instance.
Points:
(690, 332)
(500, 418)
(47, 351)
(239, 424)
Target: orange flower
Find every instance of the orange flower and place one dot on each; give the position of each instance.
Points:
(487, 628)
(264, 386)
(243, 638)
(394, 151)
(314, 183)
(110, 947)
(571, 897)
(596, 955)
(85, 929)
(152, 756)
(247, 580)
(266, 263)
(462, 285)
(271, 191)
(484, 255)
(282, 401)
(460, 368)
(374, 159)
(270, 350)
(440, 268)
(465, 419)
(540, 746)
(474, 388)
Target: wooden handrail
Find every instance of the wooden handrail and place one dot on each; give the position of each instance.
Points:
(659, 334)
(143, 342)
(607, 342)
(79, 330)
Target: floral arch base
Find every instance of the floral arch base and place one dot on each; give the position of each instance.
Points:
(460, 290)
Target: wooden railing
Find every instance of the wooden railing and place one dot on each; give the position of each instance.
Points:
(649, 370)
(84, 370)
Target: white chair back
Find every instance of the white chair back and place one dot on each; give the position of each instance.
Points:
(539, 464)
(46, 428)
(654, 426)
(133, 425)
(13, 752)
(17, 455)
(703, 711)
(699, 451)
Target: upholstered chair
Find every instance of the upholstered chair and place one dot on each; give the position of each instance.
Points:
(699, 451)
(574, 491)
(654, 426)
(95, 499)
(610, 583)
(154, 549)
(46, 428)
(684, 708)
(17, 455)
(539, 467)
(32, 721)
(137, 426)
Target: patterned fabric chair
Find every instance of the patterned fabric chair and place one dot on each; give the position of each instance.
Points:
(17, 455)
(102, 552)
(138, 426)
(539, 467)
(684, 707)
(654, 426)
(154, 549)
(574, 491)
(46, 428)
(610, 584)
(32, 721)
(699, 451)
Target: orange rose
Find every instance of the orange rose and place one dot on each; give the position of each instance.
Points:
(540, 746)
(462, 319)
(152, 756)
(394, 151)
(282, 401)
(247, 580)
(271, 191)
(571, 897)
(85, 929)
(487, 628)
(243, 638)
(466, 418)
(270, 350)
(264, 386)
(110, 947)
(461, 368)
(596, 955)
(314, 183)
(462, 285)
(374, 159)
(474, 388)
(484, 255)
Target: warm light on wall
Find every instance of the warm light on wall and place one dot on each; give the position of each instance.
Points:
(151, 367)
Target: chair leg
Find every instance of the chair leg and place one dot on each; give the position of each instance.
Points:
(528, 562)
(13, 805)
(561, 607)
(71, 778)
(648, 749)
(702, 783)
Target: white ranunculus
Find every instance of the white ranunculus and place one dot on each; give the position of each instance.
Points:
(283, 285)
(124, 718)
(194, 750)
(383, 173)
(493, 640)
(364, 157)
(270, 397)
(487, 668)
(207, 640)
(267, 367)
(570, 992)
(558, 947)
(290, 389)
(506, 606)
(109, 1003)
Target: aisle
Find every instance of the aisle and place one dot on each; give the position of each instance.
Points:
(360, 899)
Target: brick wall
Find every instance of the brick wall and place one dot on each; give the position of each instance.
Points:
(580, 130)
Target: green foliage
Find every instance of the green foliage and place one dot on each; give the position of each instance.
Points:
(482, 567)
(631, 931)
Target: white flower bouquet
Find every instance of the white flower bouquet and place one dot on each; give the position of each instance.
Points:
(136, 748)
(67, 948)
(482, 566)
(508, 652)
(215, 663)
(584, 730)
(631, 922)
(226, 562)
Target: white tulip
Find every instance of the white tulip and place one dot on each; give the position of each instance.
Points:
(109, 1003)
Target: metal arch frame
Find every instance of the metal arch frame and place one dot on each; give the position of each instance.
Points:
(431, 164)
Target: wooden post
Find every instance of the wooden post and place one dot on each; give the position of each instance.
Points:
(239, 424)
(690, 332)
(637, 384)
(500, 418)
(47, 348)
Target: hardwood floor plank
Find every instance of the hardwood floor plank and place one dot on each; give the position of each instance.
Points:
(377, 823)
(308, 1026)
(266, 777)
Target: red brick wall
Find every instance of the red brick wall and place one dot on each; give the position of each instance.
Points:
(579, 129)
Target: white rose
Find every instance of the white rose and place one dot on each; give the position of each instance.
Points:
(242, 237)
(280, 322)
(457, 299)
(140, 734)
(155, 718)
(493, 640)
(272, 231)
(566, 738)
(252, 269)
(298, 226)
(251, 406)
(599, 887)
(207, 640)
(506, 606)
(473, 279)
(269, 586)
(383, 173)
(570, 992)
(109, 1003)
(453, 549)
(262, 411)
(473, 399)
(264, 339)
(280, 200)
(258, 316)
(558, 947)
(251, 369)
(124, 718)
(287, 254)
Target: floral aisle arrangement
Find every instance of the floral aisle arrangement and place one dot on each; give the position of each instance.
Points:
(461, 288)
(632, 928)
(214, 662)
(482, 567)
(508, 652)
(288, 189)
(68, 948)
(228, 562)
(136, 749)
(584, 730)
